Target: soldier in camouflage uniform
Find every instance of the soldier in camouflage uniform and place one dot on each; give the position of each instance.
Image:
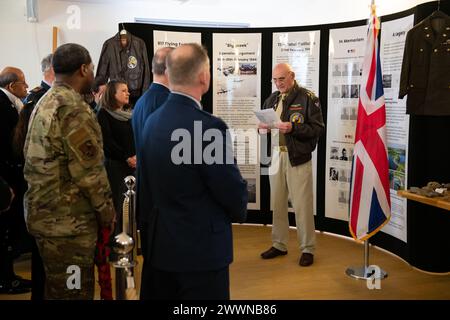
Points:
(69, 196)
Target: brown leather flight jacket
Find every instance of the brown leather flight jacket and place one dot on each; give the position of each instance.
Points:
(129, 63)
(425, 75)
(302, 108)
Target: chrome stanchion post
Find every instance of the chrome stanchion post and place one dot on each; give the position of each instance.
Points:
(124, 244)
(130, 182)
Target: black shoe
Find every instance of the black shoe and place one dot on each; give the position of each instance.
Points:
(306, 259)
(272, 253)
(13, 287)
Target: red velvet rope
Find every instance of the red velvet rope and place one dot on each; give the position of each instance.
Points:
(101, 260)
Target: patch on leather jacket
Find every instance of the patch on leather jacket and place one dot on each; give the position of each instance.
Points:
(295, 107)
(297, 117)
(132, 62)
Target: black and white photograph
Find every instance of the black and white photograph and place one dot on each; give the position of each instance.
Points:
(334, 155)
(346, 69)
(356, 71)
(387, 81)
(345, 91)
(343, 196)
(336, 92)
(354, 91)
(353, 114)
(344, 175)
(344, 154)
(334, 174)
(336, 70)
(345, 113)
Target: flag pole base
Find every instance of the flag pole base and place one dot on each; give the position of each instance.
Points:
(361, 273)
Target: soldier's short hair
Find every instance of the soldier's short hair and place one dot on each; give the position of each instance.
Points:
(159, 60)
(7, 78)
(183, 70)
(46, 63)
(69, 57)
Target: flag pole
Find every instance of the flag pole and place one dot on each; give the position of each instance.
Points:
(366, 271)
(366, 254)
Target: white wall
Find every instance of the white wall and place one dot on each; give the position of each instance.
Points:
(24, 44)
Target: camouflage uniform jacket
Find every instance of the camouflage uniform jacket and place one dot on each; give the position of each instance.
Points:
(68, 189)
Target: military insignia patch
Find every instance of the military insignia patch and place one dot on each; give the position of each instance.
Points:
(85, 149)
(297, 117)
(132, 62)
(88, 150)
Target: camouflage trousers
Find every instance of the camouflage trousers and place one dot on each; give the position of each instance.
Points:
(69, 266)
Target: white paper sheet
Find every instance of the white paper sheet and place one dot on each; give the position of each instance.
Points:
(267, 116)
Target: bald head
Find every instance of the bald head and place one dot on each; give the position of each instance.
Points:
(283, 67)
(13, 80)
(283, 77)
(8, 75)
(159, 61)
(185, 63)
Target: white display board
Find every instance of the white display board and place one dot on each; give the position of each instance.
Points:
(174, 38)
(393, 37)
(236, 69)
(345, 56)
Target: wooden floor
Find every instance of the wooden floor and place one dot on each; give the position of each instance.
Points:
(282, 278)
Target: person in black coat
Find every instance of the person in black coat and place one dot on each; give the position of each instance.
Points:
(192, 200)
(118, 142)
(13, 88)
(151, 100)
(20, 132)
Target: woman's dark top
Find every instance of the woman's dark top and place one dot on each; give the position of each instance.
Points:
(118, 141)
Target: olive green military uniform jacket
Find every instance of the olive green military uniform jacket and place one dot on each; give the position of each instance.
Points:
(68, 189)
(425, 75)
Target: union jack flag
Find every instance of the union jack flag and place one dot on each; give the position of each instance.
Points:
(370, 202)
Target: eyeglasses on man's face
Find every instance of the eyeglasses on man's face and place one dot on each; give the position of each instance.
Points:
(278, 80)
(20, 82)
